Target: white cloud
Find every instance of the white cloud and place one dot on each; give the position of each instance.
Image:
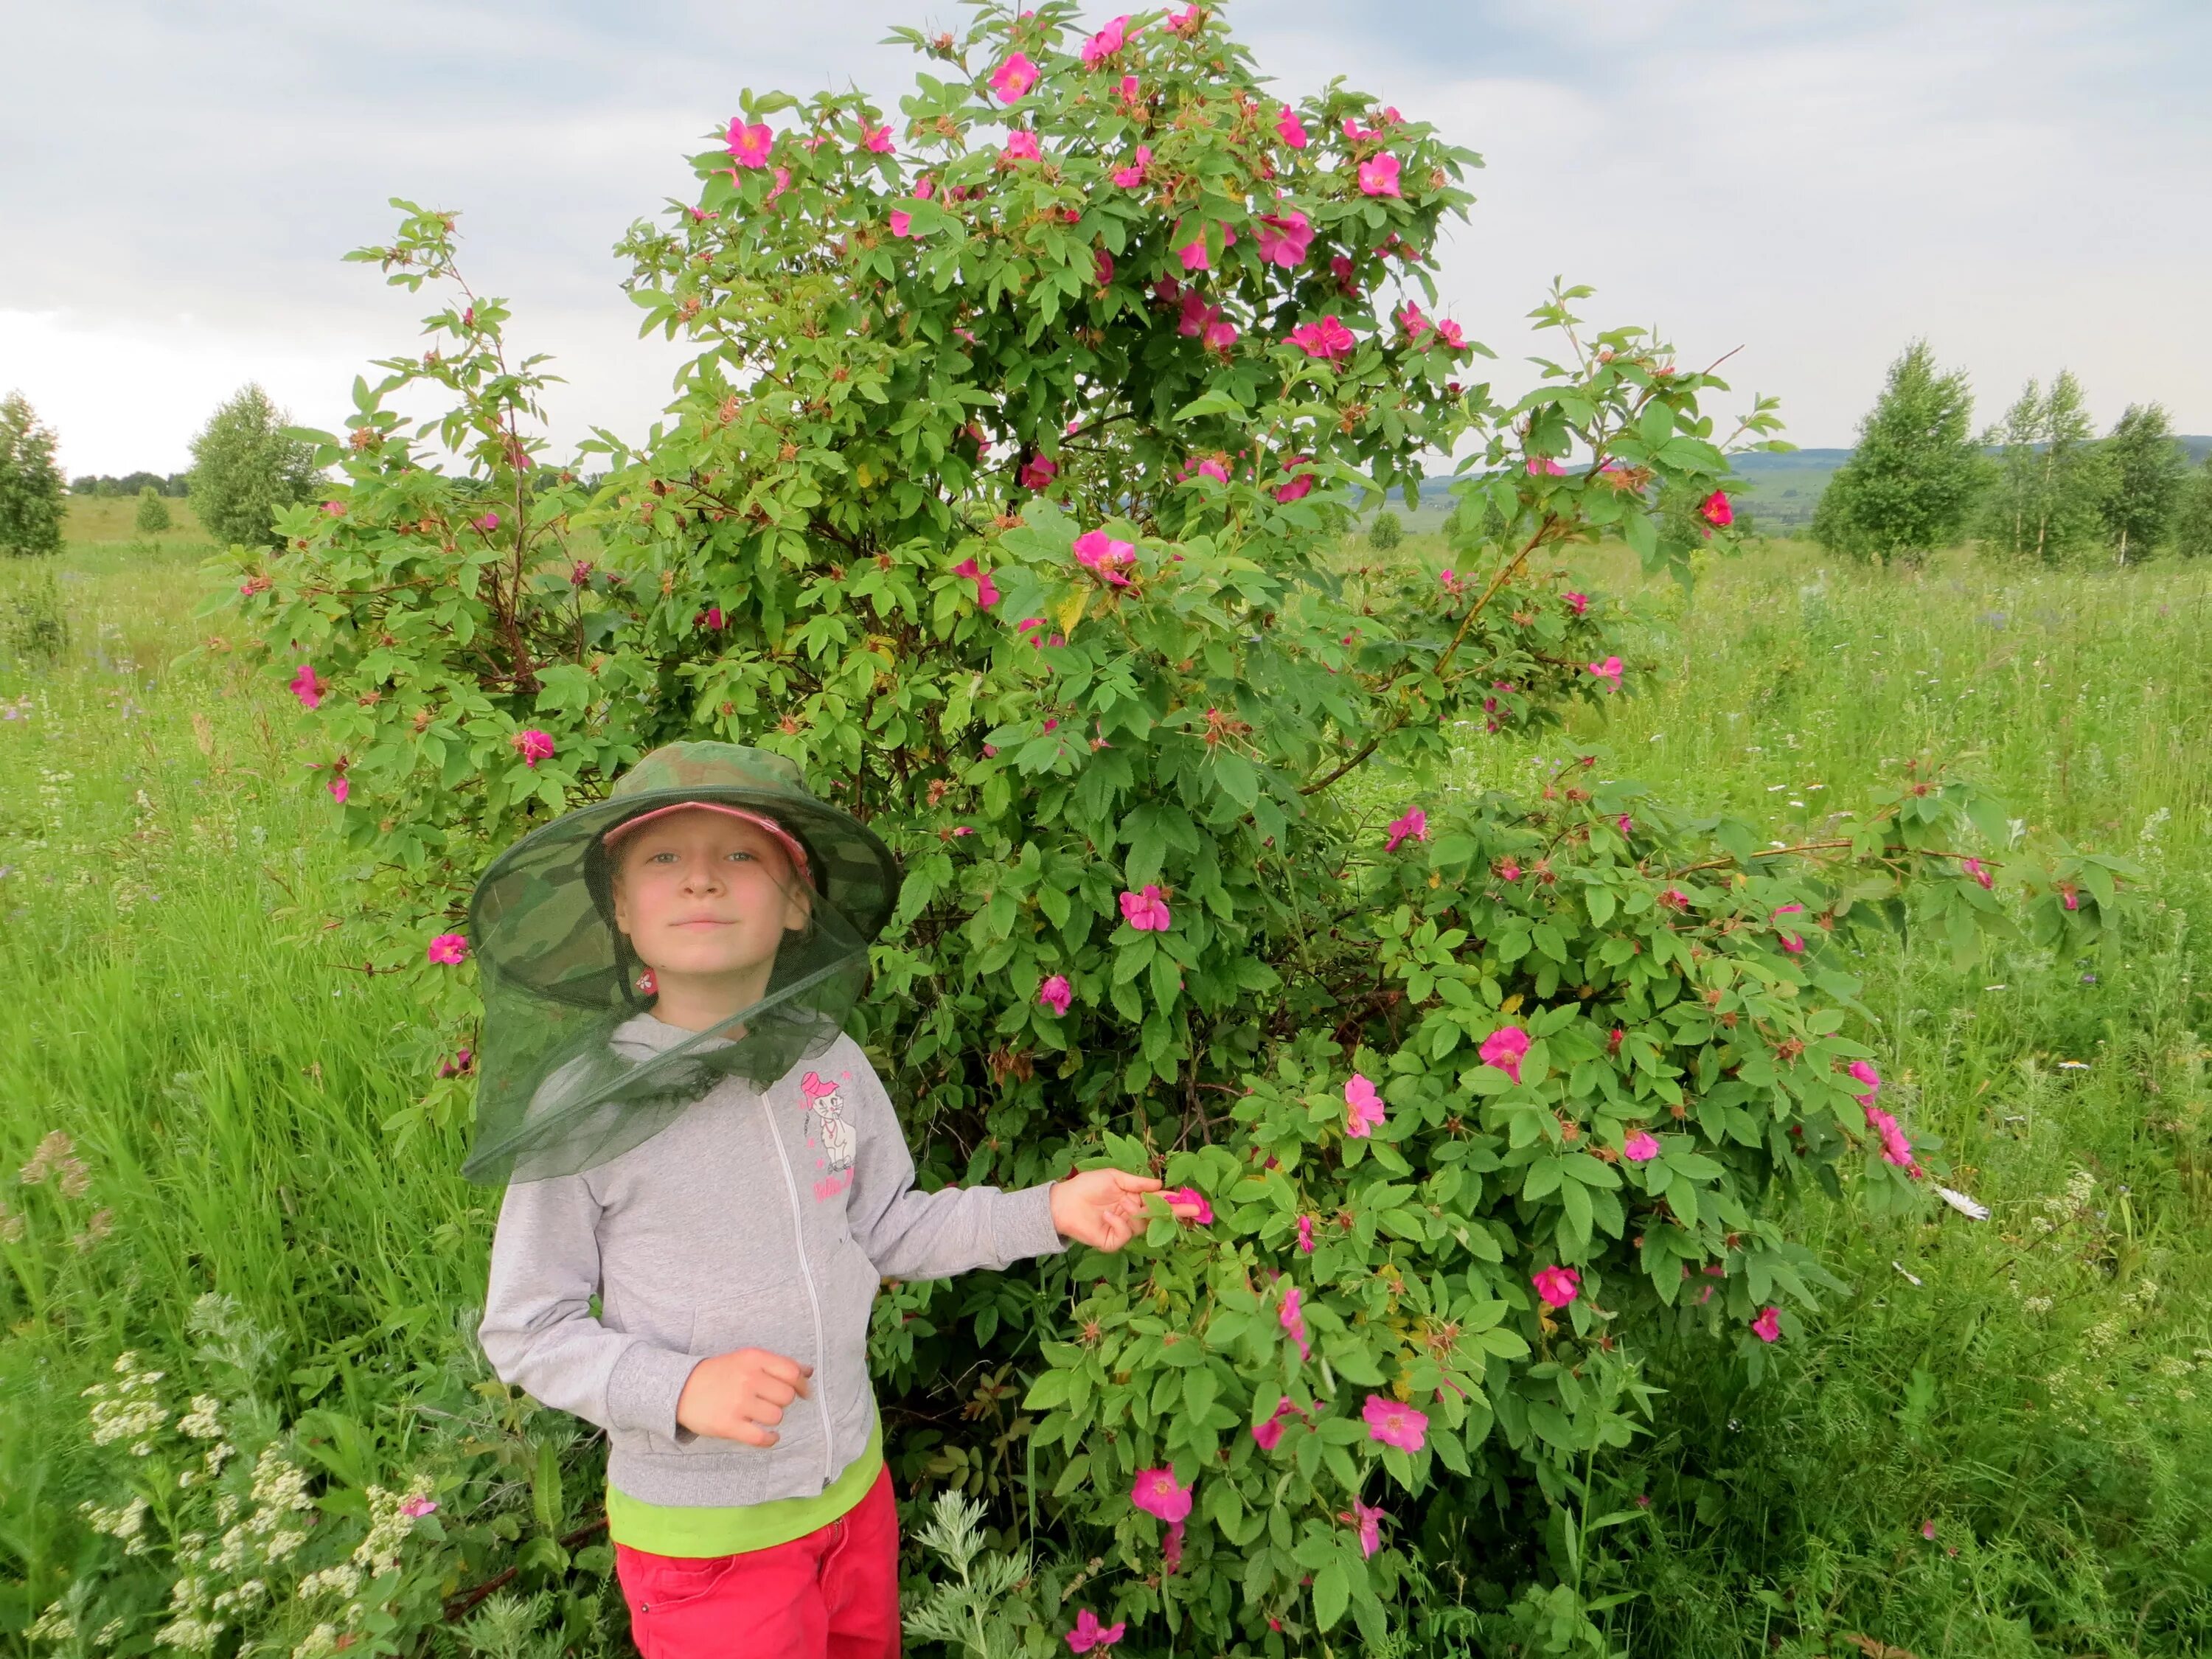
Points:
(1810, 183)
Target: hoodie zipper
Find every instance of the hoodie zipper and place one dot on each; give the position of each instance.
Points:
(813, 1302)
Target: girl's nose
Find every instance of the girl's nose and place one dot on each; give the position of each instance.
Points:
(702, 876)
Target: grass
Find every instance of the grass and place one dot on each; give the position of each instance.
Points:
(2042, 1395)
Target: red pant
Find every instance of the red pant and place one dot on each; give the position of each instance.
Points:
(831, 1594)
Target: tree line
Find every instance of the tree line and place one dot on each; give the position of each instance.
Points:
(2038, 485)
(245, 468)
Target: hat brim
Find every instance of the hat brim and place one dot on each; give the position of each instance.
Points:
(536, 920)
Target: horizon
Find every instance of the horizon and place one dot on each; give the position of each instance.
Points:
(1908, 165)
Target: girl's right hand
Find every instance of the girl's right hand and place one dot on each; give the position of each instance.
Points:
(740, 1395)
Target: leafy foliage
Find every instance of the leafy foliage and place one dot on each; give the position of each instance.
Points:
(246, 468)
(153, 516)
(2192, 514)
(1913, 478)
(2144, 471)
(1386, 532)
(30, 484)
(2047, 504)
(1003, 494)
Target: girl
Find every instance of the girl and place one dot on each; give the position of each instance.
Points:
(706, 1184)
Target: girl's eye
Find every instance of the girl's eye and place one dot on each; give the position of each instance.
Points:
(741, 854)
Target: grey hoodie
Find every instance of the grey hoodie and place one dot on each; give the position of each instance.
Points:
(757, 1220)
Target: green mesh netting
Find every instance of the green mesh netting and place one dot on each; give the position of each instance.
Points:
(557, 1091)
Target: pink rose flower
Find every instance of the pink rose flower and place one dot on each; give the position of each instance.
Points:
(1104, 44)
(749, 146)
(1767, 1327)
(1097, 551)
(1284, 238)
(1449, 335)
(1608, 671)
(1413, 825)
(1365, 1111)
(1269, 1434)
(305, 687)
(1021, 145)
(1146, 912)
(1056, 994)
(533, 745)
(1379, 177)
(1301, 483)
(415, 1508)
(1089, 1634)
(1716, 510)
(1505, 1048)
(1132, 176)
(1557, 1286)
(1975, 868)
(1306, 1234)
(902, 223)
(1413, 321)
(1327, 339)
(1292, 1319)
(1038, 472)
(1014, 77)
(987, 591)
(877, 140)
(1641, 1147)
(1158, 1495)
(1367, 1520)
(1192, 1196)
(1578, 603)
(1396, 1424)
(340, 788)
(447, 949)
(1293, 130)
(1101, 267)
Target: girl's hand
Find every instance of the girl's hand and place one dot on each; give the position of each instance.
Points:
(1105, 1209)
(741, 1395)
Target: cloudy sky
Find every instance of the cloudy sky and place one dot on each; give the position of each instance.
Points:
(1807, 182)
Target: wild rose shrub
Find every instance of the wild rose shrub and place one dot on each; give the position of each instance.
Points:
(1005, 493)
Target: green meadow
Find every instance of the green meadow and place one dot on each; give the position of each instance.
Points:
(1996, 1441)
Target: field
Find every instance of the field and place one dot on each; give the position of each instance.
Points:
(1998, 1442)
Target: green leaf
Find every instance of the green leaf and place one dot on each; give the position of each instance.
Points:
(1332, 1594)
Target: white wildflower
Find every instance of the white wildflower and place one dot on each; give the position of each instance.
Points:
(54, 1625)
(344, 1580)
(201, 1423)
(323, 1639)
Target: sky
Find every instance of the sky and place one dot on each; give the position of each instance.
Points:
(1806, 183)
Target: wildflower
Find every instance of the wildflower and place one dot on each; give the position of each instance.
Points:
(1132, 176)
(2071, 896)
(1021, 145)
(1509, 869)
(1292, 1319)
(1089, 1634)
(1211, 467)
(1342, 268)
(1056, 994)
(1102, 268)
(902, 223)
(1794, 944)
(1608, 671)
(415, 1508)
(533, 745)
(1293, 130)
(1862, 1070)
(1975, 868)
(1641, 1147)
(1014, 77)
(1104, 44)
(305, 687)
(749, 146)
(340, 789)
(1545, 466)
(1146, 912)
(1284, 238)
(447, 949)
(1192, 1196)
(1396, 1424)
(1305, 1234)
(1187, 21)
(1156, 1493)
(1505, 1048)
(1413, 825)
(1128, 88)
(1368, 1521)
(1673, 899)
(987, 591)
(1767, 1327)
(1449, 335)
(1096, 550)
(1716, 511)
(1364, 1108)
(334, 509)
(1625, 825)
(877, 140)
(1269, 1434)
(1579, 604)
(1038, 472)
(1195, 256)
(782, 183)
(1301, 483)
(1379, 177)
(1327, 339)
(249, 587)
(1557, 1286)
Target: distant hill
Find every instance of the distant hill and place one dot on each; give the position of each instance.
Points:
(1781, 490)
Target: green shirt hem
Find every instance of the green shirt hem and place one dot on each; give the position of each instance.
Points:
(731, 1529)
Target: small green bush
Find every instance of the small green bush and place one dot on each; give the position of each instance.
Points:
(1386, 532)
(153, 513)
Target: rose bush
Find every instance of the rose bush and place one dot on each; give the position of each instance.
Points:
(1005, 493)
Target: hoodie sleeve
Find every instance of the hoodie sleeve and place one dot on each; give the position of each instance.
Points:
(908, 1234)
(538, 1328)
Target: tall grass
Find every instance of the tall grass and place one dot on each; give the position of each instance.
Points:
(186, 1009)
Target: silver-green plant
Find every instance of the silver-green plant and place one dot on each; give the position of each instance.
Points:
(969, 1615)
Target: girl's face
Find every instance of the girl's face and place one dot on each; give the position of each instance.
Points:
(704, 896)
